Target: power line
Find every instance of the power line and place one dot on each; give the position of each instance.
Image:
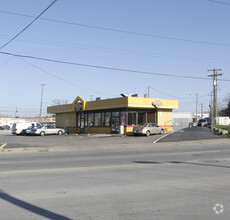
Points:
(219, 2)
(62, 79)
(121, 31)
(170, 95)
(105, 67)
(28, 25)
(121, 51)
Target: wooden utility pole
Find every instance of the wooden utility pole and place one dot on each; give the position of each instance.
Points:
(215, 86)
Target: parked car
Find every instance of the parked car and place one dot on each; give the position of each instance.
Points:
(202, 122)
(4, 127)
(47, 129)
(19, 126)
(147, 129)
(209, 122)
(27, 131)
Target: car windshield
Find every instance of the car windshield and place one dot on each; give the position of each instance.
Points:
(202, 120)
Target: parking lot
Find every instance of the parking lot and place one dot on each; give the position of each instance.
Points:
(85, 141)
(71, 140)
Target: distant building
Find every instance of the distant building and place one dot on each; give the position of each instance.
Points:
(11, 121)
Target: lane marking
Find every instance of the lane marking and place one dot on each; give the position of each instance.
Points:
(3, 146)
(90, 168)
(162, 137)
(103, 167)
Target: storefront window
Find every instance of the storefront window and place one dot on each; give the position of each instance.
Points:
(78, 119)
(103, 119)
(86, 119)
(97, 119)
(107, 118)
(142, 117)
(132, 118)
(123, 118)
(90, 119)
(82, 119)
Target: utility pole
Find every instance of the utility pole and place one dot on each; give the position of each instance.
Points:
(148, 91)
(215, 86)
(16, 112)
(196, 109)
(201, 109)
(41, 101)
(211, 107)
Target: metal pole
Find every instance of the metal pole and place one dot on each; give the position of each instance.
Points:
(196, 108)
(41, 102)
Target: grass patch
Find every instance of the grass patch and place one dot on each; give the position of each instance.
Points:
(224, 127)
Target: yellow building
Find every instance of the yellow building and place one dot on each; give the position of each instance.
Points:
(106, 115)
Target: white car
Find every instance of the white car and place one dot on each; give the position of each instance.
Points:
(147, 129)
(18, 127)
(47, 129)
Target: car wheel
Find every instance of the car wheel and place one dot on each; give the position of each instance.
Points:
(147, 133)
(59, 132)
(42, 133)
(162, 131)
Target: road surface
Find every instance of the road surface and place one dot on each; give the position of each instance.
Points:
(187, 180)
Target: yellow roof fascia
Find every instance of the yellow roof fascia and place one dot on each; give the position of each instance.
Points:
(136, 102)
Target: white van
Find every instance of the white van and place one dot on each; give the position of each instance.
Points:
(19, 126)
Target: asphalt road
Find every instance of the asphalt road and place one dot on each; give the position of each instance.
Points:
(160, 181)
(190, 134)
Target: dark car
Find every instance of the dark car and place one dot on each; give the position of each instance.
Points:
(202, 122)
(5, 127)
(209, 122)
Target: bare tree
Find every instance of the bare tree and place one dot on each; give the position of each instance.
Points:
(226, 110)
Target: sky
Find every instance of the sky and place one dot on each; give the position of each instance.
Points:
(185, 38)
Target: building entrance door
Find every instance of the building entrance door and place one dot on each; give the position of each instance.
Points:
(115, 122)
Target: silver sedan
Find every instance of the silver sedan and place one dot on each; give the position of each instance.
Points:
(47, 129)
(147, 129)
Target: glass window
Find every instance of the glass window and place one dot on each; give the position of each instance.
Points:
(78, 119)
(132, 118)
(82, 119)
(86, 119)
(103, 119)
(141, 117)
(90, 119)
(123, 118)
(97, 119)
(107, 118)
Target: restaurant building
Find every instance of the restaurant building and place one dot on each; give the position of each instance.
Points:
(112, 115)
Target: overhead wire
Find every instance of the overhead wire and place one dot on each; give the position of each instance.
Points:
(220, 2)
(62, 79)
(122, 31)
(8, 42)
(170, 95)
(105, 67)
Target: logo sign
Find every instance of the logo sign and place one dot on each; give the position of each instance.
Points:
(78, 106)
(157, 102)
(218, 208)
